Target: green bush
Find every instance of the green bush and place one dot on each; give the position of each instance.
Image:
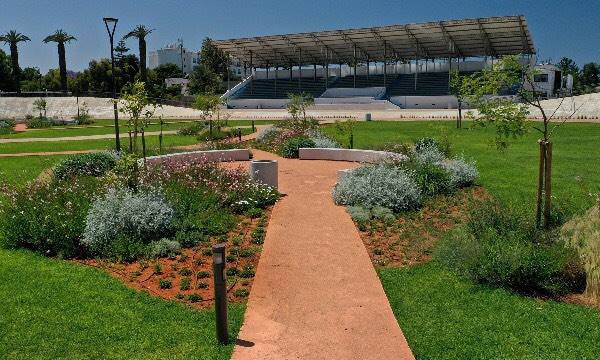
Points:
(38, 122)
(498, 247)
(164, 248)
(6, 126)
(431, 178)
(290, 147)
(360, 216)
(48, 217)
(91, 164)
(192, 129)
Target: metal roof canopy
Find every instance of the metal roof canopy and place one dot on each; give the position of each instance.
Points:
(490, 36)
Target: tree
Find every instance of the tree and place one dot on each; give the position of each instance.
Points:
(203, 80)
(31, 79)
(61, 38)
(140, 32)
(121, 50)
(6, 83)
(214, 58)
(296, 107)
(135, 103)
(590, 76)
(568, 66)
(456, 81)
(209, 106)
(13, 38)
(510, 117)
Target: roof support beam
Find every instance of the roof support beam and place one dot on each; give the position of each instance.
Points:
(318, 41)
(385, 43)
(279, 54)
(526, 48)
(449, 38)
(297, 47)
(347, 40)
(244, 49)
(489, 48)
(416, 42)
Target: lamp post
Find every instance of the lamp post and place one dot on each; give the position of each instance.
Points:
(220, 287)
(111, 25)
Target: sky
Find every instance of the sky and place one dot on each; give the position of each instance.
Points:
(559, 28)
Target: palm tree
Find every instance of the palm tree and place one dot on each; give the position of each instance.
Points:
(60, 37)
(13, 38)
(140, 32)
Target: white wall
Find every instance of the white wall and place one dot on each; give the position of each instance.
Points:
(425, 102)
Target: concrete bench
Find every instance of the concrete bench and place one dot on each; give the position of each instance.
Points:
(353, 155)
(204, 155)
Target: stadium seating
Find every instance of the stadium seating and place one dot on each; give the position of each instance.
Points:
(363, 81)
(265, 88)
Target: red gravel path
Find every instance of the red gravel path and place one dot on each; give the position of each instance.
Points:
(316, 294)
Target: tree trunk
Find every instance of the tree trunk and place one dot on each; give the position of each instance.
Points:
(143, 74)
(144, 146)
(62, 66)
(540, 190)
(459, 121)
(548, 185)
(544, 192)
(16, 70)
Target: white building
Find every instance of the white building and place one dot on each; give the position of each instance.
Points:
(174, 54)
(551, 81)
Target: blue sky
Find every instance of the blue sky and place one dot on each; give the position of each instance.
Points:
(559, 28)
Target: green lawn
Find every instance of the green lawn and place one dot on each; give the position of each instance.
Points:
(55, 309)
(102, 127)
(510, 175)
(19, 170)
(99, 144)
(444, 317)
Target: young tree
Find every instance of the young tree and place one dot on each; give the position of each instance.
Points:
(296, 107)
(41, 106)
(213, 58)
(61, 38)
(13, 38)
(135, 103)
(510, 117)
(204, 80)
(456, 81)
(209, 106)
(6, 82)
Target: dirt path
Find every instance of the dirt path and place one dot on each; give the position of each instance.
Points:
(75, 138)
(316, 294)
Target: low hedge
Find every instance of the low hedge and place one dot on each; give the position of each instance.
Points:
(90, 164)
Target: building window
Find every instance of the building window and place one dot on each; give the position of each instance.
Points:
(540, 78)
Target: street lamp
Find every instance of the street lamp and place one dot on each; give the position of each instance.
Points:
(111, 25)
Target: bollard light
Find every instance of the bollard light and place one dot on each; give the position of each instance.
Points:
(220, 286)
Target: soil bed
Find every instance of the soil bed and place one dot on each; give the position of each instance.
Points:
(194, 267)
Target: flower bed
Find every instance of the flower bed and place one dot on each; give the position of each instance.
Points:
(130, 217)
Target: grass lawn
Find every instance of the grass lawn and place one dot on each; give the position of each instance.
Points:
(98, 144)
(510, 175)
(19, 170)
(102, 127)
(444, 317)
(55, 309)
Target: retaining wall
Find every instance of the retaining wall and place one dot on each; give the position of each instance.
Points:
(353, 155)
(197, 156)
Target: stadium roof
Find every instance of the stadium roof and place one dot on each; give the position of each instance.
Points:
(491, 36)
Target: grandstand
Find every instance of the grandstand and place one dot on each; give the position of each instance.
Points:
(406, 65)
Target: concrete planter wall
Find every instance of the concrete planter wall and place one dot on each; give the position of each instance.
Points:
(265, 171)
(353, 155)
(195, 156)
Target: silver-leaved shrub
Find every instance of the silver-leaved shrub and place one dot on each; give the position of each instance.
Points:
(267, 134)
(164, 248)
(321, 140)
(379, 185)
(462, 173)
(123, 214)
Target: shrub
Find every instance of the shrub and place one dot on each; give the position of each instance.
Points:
(247, 272)
(426, 143)
(185, 284)
(203, 274)
(165, 284)
(499, 248)
(6, 126)
(185, 272)
(360, 216)
(267, 135)
(38, 122)
(431, 178)
(194, 298)
(291, 146)
(382, 213)
(380, 184)
(91, 164)
(232, 271)
(241, 293)
(321, 140)
(138, 218)
(47, 217)
(427, 151)
(582, 233)
(193, 129)
(462, 173)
